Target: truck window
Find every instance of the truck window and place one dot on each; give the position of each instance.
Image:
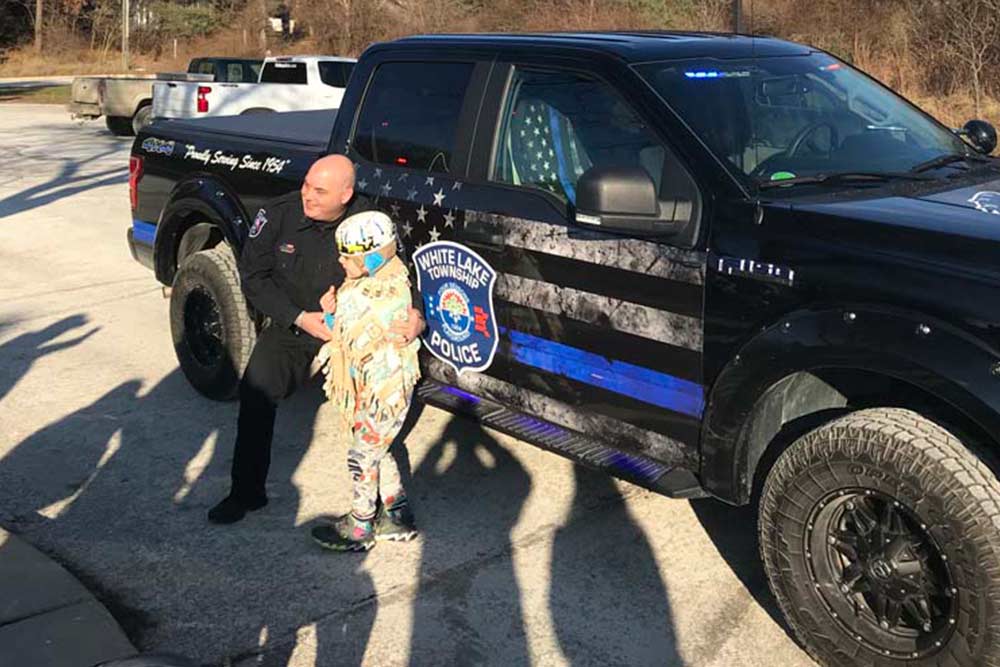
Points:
(771, 117)
(234, 72)
(558, 124)
(206, 67)
(282, 72)
(410, 115)
(335, 73)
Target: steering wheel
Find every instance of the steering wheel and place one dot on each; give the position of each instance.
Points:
(796, 146)
(807, 132)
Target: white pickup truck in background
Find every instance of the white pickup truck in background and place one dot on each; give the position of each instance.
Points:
(287, 83)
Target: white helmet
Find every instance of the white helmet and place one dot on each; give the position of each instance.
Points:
(365, 232)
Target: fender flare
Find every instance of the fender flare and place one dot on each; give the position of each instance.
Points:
(198, 199)
(928, 353)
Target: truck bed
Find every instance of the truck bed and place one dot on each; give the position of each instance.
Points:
(303, 129)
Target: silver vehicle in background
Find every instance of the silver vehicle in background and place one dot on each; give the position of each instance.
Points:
(126, 102)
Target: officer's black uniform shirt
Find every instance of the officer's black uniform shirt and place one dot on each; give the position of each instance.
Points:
(289, 260)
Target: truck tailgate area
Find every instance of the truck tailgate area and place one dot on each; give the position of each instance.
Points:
(304, 129)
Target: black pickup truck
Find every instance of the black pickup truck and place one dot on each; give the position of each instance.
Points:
(708, 264)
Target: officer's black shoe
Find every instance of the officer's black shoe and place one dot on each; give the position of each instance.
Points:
(232, 509)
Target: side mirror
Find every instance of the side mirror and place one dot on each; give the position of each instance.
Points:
(981, 134)
(624, 199)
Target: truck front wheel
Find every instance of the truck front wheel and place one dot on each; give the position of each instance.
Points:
(880, 533)
(212, 330)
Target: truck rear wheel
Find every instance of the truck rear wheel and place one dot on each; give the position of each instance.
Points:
(119, 126)
(880, 534)
(211, 326)
(143, 117)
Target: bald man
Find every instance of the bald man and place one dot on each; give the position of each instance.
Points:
(289, 261)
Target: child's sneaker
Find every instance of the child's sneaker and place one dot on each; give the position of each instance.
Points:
(396, 524)
(346, 534)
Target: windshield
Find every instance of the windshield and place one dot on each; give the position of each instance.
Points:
(792, 116)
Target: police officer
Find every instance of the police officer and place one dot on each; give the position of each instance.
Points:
(288, 263)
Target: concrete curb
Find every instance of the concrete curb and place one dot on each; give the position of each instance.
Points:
(47, 617)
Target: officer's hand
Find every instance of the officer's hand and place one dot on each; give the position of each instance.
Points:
(313, 324)
(402, 334)
(328, 302)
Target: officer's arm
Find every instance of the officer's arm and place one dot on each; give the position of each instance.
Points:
(257, 275)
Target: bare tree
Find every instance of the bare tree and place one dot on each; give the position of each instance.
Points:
(38, 26)
(970, 30)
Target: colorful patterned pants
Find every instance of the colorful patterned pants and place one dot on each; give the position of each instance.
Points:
(372, 467)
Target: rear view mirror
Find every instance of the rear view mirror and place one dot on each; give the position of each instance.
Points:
(782, 90)
(625, 199)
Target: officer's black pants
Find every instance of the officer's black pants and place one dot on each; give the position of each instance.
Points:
(278, 364)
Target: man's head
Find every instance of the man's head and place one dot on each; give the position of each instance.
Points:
(328, 186)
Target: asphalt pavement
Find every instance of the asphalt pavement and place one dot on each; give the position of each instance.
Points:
(109, 461)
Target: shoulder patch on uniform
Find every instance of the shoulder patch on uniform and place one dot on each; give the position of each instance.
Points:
(258, 223)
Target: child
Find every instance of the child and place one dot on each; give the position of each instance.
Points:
(370, 381)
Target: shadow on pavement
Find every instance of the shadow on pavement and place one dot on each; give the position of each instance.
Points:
(71, 179)
(117, 492)
(20, 353)
(607, 600)
(468, 491)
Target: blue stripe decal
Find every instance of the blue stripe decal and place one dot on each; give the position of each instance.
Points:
(636, 382)
(143, 232)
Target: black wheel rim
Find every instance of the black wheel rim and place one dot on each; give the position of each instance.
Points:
(880, 574)
(203, 329)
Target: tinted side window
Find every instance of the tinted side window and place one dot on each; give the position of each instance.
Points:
(254, 73)
(335, 74)
(410, 114)
(234, 72)
(557, 125)
(206, 67)
(279, 72)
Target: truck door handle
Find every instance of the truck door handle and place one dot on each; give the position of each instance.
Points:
(482, 235)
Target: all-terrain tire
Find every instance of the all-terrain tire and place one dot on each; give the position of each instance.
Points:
(945, 494)
(211, 326)
(120, 126)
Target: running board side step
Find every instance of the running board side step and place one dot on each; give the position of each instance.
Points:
(674, 482)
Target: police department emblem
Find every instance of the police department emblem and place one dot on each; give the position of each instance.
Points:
(457, 287)
(986, 201)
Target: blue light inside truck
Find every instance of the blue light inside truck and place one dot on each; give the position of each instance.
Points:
(699, 74)
(703, 74)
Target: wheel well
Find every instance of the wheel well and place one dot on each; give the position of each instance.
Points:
(195, 235)
(804, 401)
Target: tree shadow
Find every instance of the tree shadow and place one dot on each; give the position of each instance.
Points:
(607, 600)
(68, 182)
(20, 353)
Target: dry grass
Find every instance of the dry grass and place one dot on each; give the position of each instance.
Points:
(27, 63)
(48, 95)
